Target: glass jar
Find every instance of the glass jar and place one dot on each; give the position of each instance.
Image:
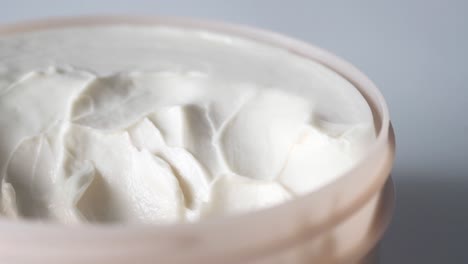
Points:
(340, 223)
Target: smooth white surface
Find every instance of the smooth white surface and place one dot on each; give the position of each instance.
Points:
(159, 125)
(415, 51)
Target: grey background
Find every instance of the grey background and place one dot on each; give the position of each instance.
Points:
(415, 51)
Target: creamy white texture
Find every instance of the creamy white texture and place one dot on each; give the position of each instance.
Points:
(161, 125)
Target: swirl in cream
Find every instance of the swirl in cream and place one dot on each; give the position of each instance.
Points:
(162, 125)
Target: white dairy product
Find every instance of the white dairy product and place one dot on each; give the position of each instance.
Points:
(160, 125)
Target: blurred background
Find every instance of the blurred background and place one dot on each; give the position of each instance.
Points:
(416, 53)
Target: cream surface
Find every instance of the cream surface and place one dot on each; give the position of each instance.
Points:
(161, 125)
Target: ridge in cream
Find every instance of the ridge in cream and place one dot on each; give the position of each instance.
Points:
(154, 124)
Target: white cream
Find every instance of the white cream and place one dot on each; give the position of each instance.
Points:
(161, 125)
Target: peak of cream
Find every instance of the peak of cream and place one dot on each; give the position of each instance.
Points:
(141, 124)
